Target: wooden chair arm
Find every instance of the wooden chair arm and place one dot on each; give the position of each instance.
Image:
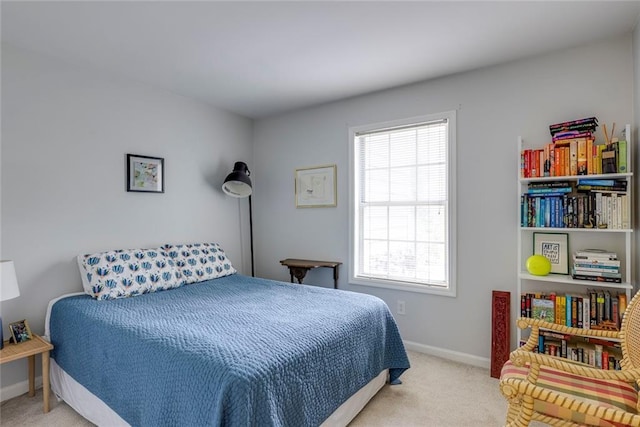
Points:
(521, 357)
(514, 388)
(527, 322)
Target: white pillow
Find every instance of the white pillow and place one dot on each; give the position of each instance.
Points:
(199, 261)
(128, 272)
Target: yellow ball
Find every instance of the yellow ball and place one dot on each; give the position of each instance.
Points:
(538, 265)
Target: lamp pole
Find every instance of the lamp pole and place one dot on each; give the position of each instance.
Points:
(253, 274)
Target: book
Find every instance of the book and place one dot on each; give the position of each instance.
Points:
(579, 314)
(582, 156)
(622, 305)
(598, 356)
(596, 268)
(571, 134)
(594, 262)
(543, 309)
(590, 157)
(596, 253)
(601, 189)
(578, 271)
(555, 335)
(622, 156)
(549, 184)
(586, 312)
(600, 149)
(594, 259)
(560, 309)
(603, 182)
(588, 124)
(545, 192)
(573, 157)
(597, 278)
(615, 311)
(609, 161)
(593, 312)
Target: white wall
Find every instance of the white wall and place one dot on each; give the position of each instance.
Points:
(494, 105)
(65, 135)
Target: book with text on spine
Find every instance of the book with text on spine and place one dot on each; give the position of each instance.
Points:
(597, 278)
(596, 253)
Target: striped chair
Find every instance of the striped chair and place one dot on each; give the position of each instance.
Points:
(561, 392)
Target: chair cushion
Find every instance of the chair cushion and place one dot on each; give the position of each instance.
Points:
(614, 394)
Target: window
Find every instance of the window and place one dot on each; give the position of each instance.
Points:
(402, 194)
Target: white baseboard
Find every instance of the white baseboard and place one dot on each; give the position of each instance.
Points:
(469, 359)
(17, 389)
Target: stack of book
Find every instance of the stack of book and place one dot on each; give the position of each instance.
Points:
(597, 309)
(573, 129)
(573, 151)
(589, 203)
(597, 352)
(596, 265)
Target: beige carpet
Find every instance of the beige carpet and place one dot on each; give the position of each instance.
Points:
(435, 393)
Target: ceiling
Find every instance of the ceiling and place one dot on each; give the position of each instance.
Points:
(263, 58)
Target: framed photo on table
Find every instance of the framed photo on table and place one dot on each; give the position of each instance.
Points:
(20, 331)
(555, 247)
(145, 174)
(315, 187)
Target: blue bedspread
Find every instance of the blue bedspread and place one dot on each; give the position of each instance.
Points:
(236, 351)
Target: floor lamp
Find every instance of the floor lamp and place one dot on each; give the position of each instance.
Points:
(8, 289)
(238, 184)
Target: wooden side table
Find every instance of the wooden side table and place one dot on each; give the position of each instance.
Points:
(36, 345)
(298, 268)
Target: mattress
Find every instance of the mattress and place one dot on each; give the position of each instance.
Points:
(93, 409)
(230, 351)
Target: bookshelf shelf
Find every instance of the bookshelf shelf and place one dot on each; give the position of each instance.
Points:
(577, 177)
(617, 237)
(613, 340)
(567, 279)
(588, 230)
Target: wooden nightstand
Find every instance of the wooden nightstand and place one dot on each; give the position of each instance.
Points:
(35, 345)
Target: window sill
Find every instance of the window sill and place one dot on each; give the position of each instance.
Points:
(407, 287)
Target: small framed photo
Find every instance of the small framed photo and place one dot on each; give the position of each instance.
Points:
(20, 331)
(555, 247)
(315, 187)
(145, 174)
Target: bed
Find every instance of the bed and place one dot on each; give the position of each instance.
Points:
(227, 350)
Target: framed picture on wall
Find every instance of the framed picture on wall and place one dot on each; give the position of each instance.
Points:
(555, 247)
(315, 187)
(145, 174)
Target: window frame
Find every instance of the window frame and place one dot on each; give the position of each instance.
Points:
(354, 229)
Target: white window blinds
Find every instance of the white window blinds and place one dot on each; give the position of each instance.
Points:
(402, 206)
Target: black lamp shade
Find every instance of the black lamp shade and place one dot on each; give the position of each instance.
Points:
(237, 183)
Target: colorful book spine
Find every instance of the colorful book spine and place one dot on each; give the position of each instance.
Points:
(622, 156)
(597, 278)
(582, 156)
(573, 158)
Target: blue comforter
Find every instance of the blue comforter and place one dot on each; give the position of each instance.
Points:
(235, 351)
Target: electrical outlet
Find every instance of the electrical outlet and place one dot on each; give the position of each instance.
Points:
(400, 308)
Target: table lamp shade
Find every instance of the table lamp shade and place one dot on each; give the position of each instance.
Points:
(8, 281)
(237, 183)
